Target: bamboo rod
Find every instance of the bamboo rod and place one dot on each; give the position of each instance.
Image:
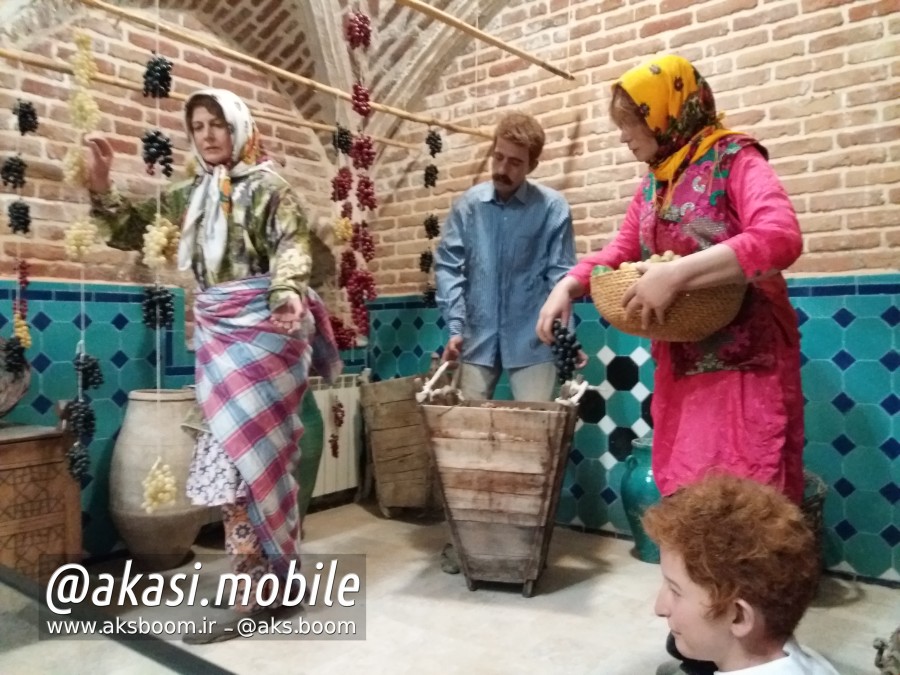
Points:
(49, 64)
(451, 20)
(190, 38)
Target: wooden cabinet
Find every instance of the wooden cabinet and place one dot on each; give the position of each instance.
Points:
(40, 503)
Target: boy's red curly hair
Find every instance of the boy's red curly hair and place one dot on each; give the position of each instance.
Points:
(742, 540)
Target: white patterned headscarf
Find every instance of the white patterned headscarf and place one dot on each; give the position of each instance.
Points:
(210, 203)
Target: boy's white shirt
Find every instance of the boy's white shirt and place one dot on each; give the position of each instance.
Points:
(799, 660)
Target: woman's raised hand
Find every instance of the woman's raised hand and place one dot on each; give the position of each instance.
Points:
(99, 163)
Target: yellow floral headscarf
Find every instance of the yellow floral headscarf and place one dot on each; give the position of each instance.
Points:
(679, 108)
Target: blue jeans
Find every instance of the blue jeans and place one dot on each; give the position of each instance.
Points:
(531, 383)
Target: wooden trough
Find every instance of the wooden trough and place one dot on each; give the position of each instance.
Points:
(398, 445)
(500, 466)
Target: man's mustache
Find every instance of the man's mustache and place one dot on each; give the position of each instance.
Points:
(500, 178)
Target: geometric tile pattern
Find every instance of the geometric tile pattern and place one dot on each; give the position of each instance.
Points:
(850, 344)
(116, 335)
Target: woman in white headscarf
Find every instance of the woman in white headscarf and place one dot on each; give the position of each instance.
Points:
(259, 328)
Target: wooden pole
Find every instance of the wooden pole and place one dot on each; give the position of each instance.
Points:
(49, 64)
(451, 20)
(190, 38)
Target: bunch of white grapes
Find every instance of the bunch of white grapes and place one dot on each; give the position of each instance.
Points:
(83, 65)
(84, 110)
(668, 256)
(160, 243)
(21, 331)
(75, 167)
(80, 238)
(159, 486)
(343, 229)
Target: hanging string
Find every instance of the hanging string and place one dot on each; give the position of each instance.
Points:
(156, 278)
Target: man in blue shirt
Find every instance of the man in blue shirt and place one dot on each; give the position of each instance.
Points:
(505, 245)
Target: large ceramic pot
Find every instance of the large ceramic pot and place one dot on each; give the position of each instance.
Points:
(152, 429)
(311, 444)
(639, 492)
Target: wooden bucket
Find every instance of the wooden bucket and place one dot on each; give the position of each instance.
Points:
(398, 445)
(500, 466)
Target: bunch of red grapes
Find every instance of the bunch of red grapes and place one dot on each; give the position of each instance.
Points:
(346, 210)
(362, 152)
(365, 193)
(341, 184)
(362, 241)
(348, 267)
(343, 335)
(360, 287)
(358, 30)
(362, 105)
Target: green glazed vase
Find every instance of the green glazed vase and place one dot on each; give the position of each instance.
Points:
(639, 492)
(311, 445)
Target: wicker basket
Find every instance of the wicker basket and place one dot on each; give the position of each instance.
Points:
(693, 316)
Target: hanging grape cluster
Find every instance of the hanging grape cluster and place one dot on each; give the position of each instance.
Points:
(160, 242)
(13, 172)
(158, 307)
(431, 175)
(346, 210)
(361, 100)
(426, 260)
(158, 77)
(363, 152)
(343, 335)
(157, 148)
(83, 108)
(365, 193)
(432, 227)
(343, 229)
(81, 419)
(79, 463)
(342, 139)
(347, 267)
(360, 288)
(80, 238)
(337, 416)
(159, 486)
(89, 368)
(26, 116)
(434, 142)
(20, 306)
(341, 184)
(358, 30)
(565, 351)
(19, 217)
(14, 357)
(429, 296)
(362, 241)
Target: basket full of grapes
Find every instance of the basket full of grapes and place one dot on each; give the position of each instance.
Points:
(693, 316)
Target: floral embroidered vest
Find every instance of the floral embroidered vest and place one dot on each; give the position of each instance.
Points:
(697, 216)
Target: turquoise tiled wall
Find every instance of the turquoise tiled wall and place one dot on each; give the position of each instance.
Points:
(116, 335)
(850, 329)
(851, 373)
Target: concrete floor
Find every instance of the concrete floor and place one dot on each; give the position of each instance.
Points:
(591, 613)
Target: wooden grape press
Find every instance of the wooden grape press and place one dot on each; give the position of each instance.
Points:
(500, 466)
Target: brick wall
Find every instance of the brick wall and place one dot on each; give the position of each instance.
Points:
(816, 80)
(121, 50)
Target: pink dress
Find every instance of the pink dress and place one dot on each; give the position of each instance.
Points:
(732, 402)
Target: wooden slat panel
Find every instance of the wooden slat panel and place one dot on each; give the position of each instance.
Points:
(403, 413)
(386, 440)
(387, 391)
(455, 453)
(482, 516)
(492, 501)
(495, 481)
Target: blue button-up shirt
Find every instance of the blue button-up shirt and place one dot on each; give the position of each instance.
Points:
(495, 266)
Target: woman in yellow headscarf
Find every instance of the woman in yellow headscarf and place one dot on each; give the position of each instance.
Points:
(731, 403)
